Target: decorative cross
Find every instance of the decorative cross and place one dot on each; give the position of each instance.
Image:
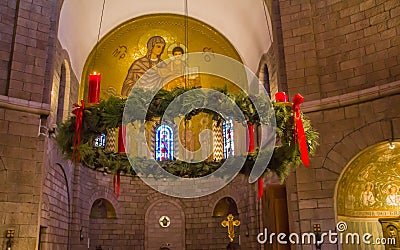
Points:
(164, 221)
(230, 223)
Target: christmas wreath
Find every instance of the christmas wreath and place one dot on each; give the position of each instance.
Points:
(77, 135)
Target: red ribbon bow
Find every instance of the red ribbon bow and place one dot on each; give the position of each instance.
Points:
(281, 97)
(117, 184)
(260, 192)
(299, 135)
(78, 112)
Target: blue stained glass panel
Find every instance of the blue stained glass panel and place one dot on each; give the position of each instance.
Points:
(100, 141)
(229, 146)
(164, 143)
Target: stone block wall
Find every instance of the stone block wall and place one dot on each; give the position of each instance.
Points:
(27, 36)
(138, 209)
(343, 57)
(337, 47)
(30, 48)
(56, 203)
(275, 57)
(133, 207)
(21, 162)
(8, 13)
(345, 131)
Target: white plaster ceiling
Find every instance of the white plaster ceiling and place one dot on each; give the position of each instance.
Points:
(242, 22)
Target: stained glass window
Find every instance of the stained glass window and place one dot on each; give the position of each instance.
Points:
(164, 143)
(100, 141)
(229, 147)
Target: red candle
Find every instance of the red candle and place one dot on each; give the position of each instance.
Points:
(121, 139)
(94, 88)
(250, 128)
(281, 97)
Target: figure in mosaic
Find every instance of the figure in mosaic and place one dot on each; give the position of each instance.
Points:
(174, 70)
(367, 197)
(152, 80)
(393, 198)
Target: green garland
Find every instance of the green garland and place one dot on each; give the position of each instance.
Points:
(108, 114)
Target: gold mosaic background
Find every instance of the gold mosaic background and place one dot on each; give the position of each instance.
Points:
(127, 42)
(370, 185)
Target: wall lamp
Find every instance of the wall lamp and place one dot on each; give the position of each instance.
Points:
(9, 235)
(317, 233)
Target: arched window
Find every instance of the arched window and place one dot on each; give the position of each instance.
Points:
(229, 147)
(61, 95)
(266, 83)
(100, 141)
(164, 144)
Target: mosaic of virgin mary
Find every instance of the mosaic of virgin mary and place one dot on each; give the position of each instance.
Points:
(151, 80)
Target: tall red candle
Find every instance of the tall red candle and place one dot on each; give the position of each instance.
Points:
(250, 128)
(94, 88)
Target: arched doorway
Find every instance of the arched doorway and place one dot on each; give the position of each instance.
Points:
(165, 226)
(274, 213)
(367, 190)
(55, 210)
(102, 221)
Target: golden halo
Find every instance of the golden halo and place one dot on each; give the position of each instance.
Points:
(204, 122)
(142, 43)
(393, 185)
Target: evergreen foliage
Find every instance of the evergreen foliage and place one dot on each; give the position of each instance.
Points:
(108, 114)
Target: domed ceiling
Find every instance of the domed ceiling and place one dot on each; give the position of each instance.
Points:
(243, 23)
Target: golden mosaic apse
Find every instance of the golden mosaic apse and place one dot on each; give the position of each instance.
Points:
(370, 185)
(117, 50)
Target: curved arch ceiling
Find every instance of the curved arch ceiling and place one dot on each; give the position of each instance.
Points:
(243, 23)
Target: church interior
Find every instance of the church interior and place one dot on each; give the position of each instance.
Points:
(258, 124)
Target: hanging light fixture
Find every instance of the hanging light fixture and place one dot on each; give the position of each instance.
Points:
(95, 77)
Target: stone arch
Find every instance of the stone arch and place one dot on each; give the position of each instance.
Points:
(102, 209)
(348, 148)
(354, 142)
(60, 100)
(102, 220)
(340, 154)
(224, 206)
(56, 212)
(66, 82)
(242, 200)
(367, 190)
(107, 195)
(268, 67)
(171, 236)
(229, 191)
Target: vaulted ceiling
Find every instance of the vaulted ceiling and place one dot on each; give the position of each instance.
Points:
(242, 22)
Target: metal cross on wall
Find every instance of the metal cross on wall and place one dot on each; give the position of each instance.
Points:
(230, 223)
